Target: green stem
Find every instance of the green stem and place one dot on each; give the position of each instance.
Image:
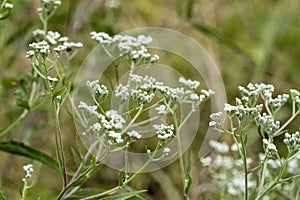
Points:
(286, 123)
(181, 164)
(14, 124)
(245, 167)
(275, 182)
(73, 181)
(126, 182)
(133, 120)
(262, 176)
(59, 145)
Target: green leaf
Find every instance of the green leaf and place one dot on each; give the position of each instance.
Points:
(38, 70)
(189, 8)
(124, 196)
(75, 157)
(209, 31)
(130, 189)
(86, 192)
(19, 148)
(4, 13)
(2, 193)
(121, 177)
(188, 177)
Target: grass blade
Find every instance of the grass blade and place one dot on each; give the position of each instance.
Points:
(21, 149)
(211, 32)
(124, 196)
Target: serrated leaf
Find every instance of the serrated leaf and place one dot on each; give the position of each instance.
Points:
(19, 148)
(124, 196)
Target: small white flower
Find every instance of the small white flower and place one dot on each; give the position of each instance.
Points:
(206, 162)
(166, 151)
(219, 147)
(189, 83)
(122, 92)
(28, 169)
(38, 32)
(235, 147)
(164, 132)
(8, 5)
(52, 79)
(161, 109)
(134, 134)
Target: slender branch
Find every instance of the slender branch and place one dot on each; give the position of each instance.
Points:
(59, 143)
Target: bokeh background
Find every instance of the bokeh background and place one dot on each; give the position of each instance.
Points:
(250, 41)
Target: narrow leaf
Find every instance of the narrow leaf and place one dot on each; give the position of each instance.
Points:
(189, 8)
(188, 178)
(75, 157)
(140, 196)
(29, 152)
(36, 68)
(2, 193)
(209, 31)
(121, 177)
(86, 192)
(124, 196)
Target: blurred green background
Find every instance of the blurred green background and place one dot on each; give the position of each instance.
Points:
(250, 41)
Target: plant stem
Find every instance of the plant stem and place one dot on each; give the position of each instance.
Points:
(14, 124)
(262, 176)
(286, 123)
(126, 182)
(275, 182)
(59, 145)
(245, 167)
(181, 164)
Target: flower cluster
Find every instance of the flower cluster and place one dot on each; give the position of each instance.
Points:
(269, 147)
(292, 140)
(28, 169)
(110, 123)
(42, 48)
(99, 92)
(161, 109)
(268, 124)
(133, 47)
(48, 42)
(134, 134)
(295, 96)
(227, 170)
(193, 85)
(164, 132)
(48, 7)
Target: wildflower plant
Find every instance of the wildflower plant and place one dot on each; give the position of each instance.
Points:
(27, 182)
(266, 175)
(146, 114)
(113, 133)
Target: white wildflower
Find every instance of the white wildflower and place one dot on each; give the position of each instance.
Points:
(134, 134)
(161, 109)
